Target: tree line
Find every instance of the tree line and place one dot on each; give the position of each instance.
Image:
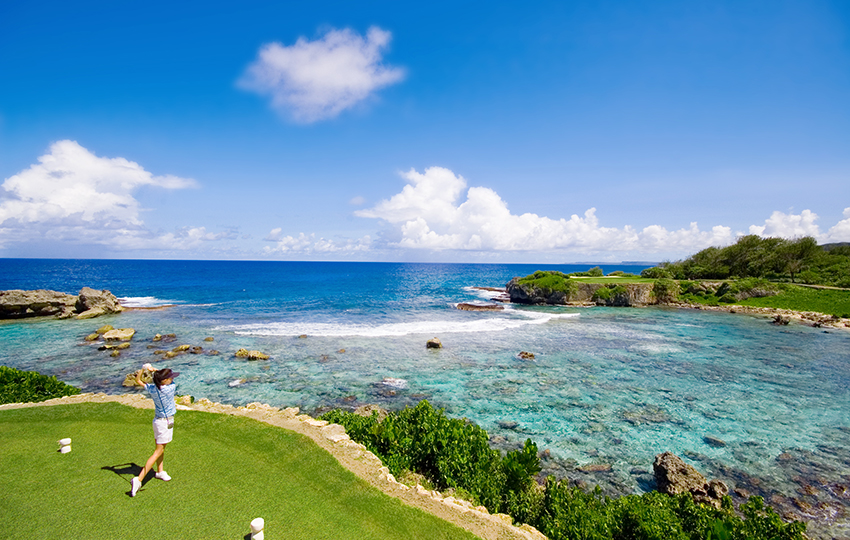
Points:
(799, 260)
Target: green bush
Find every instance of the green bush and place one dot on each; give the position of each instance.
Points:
(665, 290)
(453, 453)
(18, 386)
(656, 272)
(550, 281)
(602, 293)
(449, 452)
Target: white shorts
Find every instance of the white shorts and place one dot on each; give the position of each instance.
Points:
(162, 433)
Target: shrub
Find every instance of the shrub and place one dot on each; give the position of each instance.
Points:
(449, 452)
(453, 453)
(18, 386)
(549, 282)
(656, 272)
(665, 290)
(602, 293)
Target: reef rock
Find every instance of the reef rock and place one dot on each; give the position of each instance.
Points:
(434, 344)
(480, 307)
(130, 379)
(18, 304)
(93, 303)
(674, 476)
(251, 355)
(119, 334)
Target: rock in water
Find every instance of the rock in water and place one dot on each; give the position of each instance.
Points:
(674, 476)
(93, 303)
(714, 441)
(434, 344)
(251, 355)
(480, 307)
(16, 304)
(119, 334)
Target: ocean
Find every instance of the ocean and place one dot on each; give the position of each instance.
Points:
(764, 408)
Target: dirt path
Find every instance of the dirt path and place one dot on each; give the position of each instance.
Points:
(351, 455)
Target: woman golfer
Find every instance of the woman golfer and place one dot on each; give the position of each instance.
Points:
(162, 391)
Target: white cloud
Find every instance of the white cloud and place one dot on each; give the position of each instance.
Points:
(840, 232)
(72, 185)
(428, 214)
(73, 196)
(788, 225)
(316, 80)
(308, 244)
(357, 201)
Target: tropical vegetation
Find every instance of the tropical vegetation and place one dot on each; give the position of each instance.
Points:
(454, 454)
(799, 260)
(17, 386)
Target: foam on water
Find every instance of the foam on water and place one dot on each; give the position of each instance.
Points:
(490, 324)
(145, 302)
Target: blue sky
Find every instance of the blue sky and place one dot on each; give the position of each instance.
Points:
(455, 131)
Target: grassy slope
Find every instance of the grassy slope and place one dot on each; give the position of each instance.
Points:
(227, 471)
(829, 301)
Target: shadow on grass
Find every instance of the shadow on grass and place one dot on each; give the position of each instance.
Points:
(124, 469)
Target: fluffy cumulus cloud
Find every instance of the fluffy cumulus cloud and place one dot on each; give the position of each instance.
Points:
(308, 244)
(840, 232)
(72, 184)
(431, 212)
(75, 197)
(788, 225)
(803, 224)
(316, 80)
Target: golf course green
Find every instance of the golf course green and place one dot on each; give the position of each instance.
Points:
(226, 471)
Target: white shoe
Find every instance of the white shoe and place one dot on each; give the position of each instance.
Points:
(136, 484)
(163, 476)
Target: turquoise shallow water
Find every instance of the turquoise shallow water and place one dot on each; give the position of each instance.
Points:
(607, 386)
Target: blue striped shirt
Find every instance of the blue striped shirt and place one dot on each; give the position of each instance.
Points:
(163, 399)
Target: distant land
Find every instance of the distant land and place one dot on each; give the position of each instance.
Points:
(631, 263)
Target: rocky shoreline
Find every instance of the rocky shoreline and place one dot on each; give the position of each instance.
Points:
(640, 295)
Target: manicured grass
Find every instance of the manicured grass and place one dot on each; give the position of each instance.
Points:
(614, 279)
(829, 301)
(226, 471)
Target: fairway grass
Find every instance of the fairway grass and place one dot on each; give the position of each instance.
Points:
(829, 301)
(226, 471)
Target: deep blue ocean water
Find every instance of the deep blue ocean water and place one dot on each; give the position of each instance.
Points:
(607, 385)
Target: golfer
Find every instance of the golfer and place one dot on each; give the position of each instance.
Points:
(162, 391)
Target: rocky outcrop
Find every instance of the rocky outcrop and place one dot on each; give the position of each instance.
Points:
(673, 476)
(18, 304)
(480, 307)
(93, 303)
(251, 355)
(628, 294)
(434, 343)
(119, 334)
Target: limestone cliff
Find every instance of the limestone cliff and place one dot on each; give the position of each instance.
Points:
(18, 304)
(582, 293)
